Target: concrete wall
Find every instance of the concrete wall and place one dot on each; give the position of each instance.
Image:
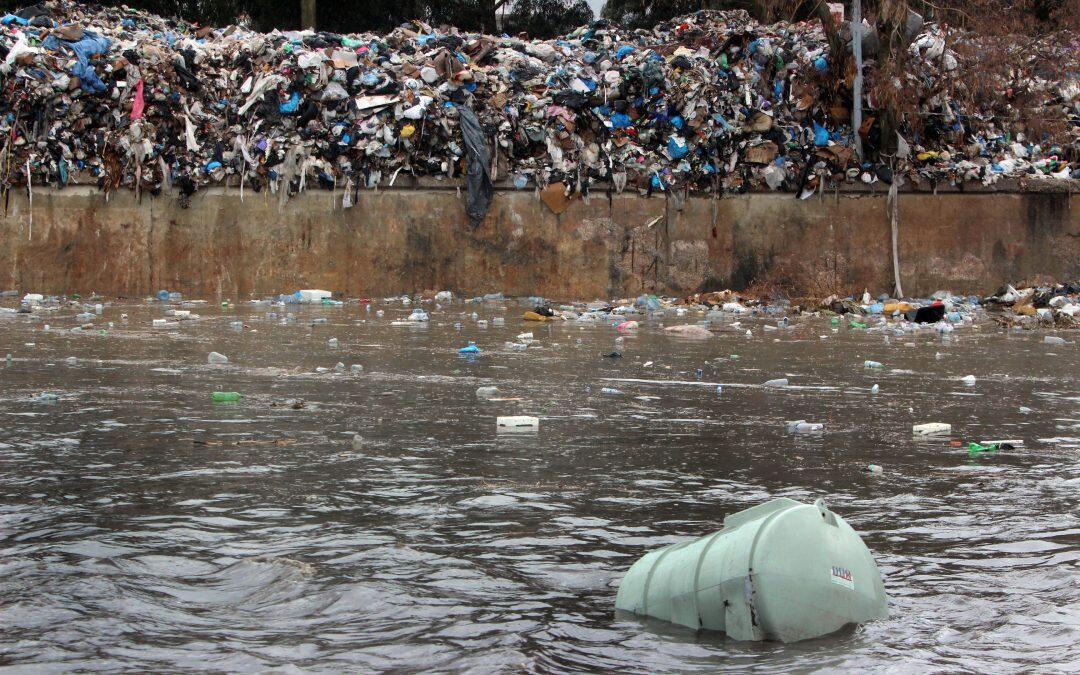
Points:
(397, 241)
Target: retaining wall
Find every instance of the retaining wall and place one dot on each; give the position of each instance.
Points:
(404, 240)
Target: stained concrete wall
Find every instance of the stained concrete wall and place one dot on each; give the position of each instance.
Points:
(395, 241)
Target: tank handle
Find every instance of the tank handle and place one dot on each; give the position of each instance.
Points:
(827, 515)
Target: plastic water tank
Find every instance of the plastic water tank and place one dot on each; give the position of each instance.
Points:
(777, 571)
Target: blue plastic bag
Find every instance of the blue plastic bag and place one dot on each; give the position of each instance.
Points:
(821, 136)
(290, 106)
(677, 147)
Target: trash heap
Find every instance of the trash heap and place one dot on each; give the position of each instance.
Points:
(1036, 306)
(709, 102)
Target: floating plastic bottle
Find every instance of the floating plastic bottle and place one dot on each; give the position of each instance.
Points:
(804, 427)
(872, 364)
(976, 449)
(470, 349)
(226, 396)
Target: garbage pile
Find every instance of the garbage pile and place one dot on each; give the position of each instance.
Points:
(1053, 305)
(712, 101)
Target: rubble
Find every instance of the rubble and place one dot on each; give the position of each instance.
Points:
(709, 102)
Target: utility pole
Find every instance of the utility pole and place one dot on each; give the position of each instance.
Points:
(856, 44)
(307, 14)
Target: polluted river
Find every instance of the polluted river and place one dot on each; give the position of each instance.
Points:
(374, 518)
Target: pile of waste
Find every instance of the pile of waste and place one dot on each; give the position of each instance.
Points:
(1034, 306)
(712, 101)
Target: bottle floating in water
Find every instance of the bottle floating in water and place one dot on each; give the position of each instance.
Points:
(976, 449)
(226, 396)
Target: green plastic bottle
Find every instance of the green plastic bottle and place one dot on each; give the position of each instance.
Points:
(227, 396)
(856, 324)
(976, 449)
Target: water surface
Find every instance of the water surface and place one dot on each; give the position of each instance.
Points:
(145, 528)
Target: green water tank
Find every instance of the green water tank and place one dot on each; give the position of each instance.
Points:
(777, 571)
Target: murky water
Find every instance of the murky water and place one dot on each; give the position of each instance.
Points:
(144, 527)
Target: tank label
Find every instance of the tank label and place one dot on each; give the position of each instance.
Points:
(842, 577)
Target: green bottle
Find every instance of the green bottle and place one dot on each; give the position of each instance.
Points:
(856, 324)
(976, 449)
(227, 396)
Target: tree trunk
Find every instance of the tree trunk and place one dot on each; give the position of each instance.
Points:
(892, 26)
(307, 14)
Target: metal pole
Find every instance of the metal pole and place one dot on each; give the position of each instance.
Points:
(307, 14)
(856, 43)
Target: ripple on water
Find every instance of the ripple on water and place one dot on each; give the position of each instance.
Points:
(145, 528)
